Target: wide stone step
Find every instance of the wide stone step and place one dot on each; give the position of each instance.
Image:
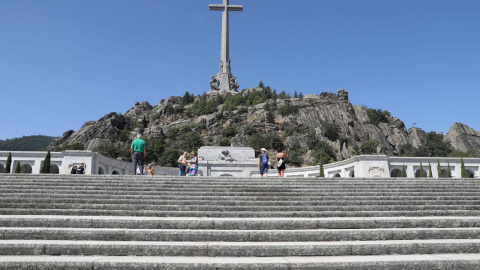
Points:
(299, 235)
(241, 186)
(232, 202)
(252, 186)
(243, 197)
(113, 178)
(237, 249)
(252, 208)
(240, 198)
(105, 177)
(198, 223)
(242, 214)
(252, 182)
(187, 181)
(242, 192)
(237, 197)
(241, 181)
(379, 262)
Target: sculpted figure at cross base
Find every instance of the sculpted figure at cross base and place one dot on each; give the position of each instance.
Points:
(225, 155)
(233, 83)
(224, 81)
(214, 84)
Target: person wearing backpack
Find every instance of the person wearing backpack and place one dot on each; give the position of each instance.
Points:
(280, 158)
(263, 162)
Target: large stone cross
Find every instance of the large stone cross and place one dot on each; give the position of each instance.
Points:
(224, 81)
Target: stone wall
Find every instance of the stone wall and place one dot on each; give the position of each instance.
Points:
(241, 162)
(382, 166)
(63, 162)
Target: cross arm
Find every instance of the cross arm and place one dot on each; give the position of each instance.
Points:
(222, 8)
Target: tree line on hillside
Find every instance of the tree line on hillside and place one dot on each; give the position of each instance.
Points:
(207, 105)
(26, 143)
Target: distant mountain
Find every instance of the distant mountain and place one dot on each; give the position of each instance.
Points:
(26, 143)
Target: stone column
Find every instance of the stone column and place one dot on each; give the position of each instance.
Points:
(224, 81)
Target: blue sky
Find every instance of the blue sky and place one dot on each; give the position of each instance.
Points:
(65, 62)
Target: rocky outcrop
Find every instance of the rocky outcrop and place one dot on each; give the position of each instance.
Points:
(139, 109)
(93, 133)
(416, 137)
(463, 138)
(312, 113)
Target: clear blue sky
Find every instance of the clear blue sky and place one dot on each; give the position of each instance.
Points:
(65, 62)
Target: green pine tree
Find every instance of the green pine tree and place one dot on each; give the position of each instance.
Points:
(422, 172)
(17, 168)
(430, 174)
(449, 171)
(9, 163)
(463, 171)
(322, 173)
(261, 85)
(404, 171)
(439, 169)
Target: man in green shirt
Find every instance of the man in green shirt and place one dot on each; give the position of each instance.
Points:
(138, 151)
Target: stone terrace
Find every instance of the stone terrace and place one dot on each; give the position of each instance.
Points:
(126, 222)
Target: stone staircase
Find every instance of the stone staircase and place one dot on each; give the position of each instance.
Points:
(127, 222)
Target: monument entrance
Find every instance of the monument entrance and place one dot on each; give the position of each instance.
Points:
(227, 161)
(224, 81)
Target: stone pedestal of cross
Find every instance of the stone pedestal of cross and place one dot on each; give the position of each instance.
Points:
(224, 81)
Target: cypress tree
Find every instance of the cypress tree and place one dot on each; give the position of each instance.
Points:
(46, 164)
(422, 172)
(430, 174)
(17, 168)
(439, 169)
(322, 173)
(9, 163)
(449, 171)
(463, 171)
(404, 171)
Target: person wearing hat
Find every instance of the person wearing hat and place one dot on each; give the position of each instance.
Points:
(263, 162)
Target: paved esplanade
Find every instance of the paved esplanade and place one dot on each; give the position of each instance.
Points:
(224, 81)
